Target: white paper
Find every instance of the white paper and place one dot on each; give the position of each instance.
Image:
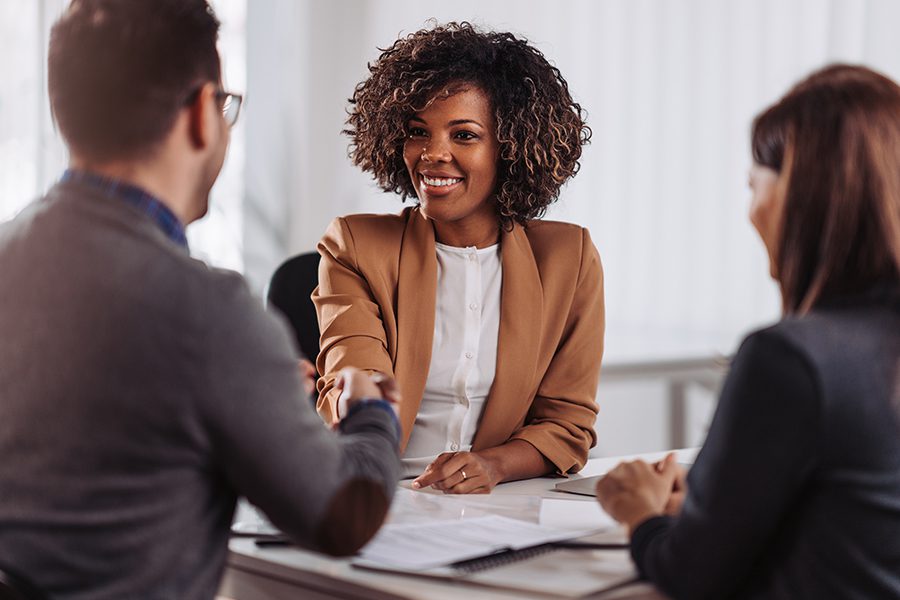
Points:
(575, 515)
(426, 507)
(423, 546)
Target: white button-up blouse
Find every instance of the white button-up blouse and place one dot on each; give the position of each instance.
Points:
(463, 354)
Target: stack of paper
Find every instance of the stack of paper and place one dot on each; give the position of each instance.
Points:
(419, 547)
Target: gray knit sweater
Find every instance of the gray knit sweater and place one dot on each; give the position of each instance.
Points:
(140, 393)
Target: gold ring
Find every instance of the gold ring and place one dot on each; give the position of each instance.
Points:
(463, 474)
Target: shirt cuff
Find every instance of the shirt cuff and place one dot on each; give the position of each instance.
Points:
(376, 403)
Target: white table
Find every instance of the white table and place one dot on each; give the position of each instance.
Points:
(255, 573)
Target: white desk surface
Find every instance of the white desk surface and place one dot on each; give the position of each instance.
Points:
(255, 573)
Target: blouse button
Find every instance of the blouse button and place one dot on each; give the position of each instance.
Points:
(473, 306)
(454, 446)
(469, 355)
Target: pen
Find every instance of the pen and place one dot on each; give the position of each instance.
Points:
(591, 545)
(272, 541)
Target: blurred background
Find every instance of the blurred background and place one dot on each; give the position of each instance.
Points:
(670, 88)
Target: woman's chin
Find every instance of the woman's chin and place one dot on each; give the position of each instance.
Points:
(435, 211)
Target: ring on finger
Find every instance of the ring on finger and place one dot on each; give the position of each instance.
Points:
(463, 474)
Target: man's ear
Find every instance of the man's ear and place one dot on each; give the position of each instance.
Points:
(203, 113)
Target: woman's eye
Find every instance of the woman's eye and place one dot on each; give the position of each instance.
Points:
(465, 135)
(416, 132)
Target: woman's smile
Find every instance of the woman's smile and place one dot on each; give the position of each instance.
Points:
(438, 185)
(451, 156)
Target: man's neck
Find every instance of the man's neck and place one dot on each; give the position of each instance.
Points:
(151, 179)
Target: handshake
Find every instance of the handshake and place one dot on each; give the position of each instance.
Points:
(355, 385)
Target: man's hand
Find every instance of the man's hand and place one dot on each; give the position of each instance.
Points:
(308, 374)
(356, 385)
(459, 473)
(635, 491)
(388, 387)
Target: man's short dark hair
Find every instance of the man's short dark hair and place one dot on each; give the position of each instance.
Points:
(120, 70)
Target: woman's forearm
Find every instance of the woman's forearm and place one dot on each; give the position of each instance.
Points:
(514, 460)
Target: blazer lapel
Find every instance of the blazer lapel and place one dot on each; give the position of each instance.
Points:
(521, 321)
(416, 290)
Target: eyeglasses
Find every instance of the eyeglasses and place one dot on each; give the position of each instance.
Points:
(231, 105)
(229, 101)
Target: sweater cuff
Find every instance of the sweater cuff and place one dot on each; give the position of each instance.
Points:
(643, 536)
(366, 404)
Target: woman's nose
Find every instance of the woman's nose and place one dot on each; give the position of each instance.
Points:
(436, 151)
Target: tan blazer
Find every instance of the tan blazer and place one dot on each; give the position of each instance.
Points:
(376, 303)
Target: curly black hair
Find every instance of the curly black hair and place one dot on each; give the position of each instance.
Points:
(540, 128)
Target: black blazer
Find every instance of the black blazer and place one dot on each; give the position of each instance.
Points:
(796, 492)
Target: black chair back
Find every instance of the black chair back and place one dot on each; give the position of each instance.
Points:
(16, 587)
(289, 292)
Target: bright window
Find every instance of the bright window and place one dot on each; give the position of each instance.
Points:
(32, 155)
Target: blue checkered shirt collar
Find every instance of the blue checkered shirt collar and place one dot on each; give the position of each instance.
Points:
(135, 196)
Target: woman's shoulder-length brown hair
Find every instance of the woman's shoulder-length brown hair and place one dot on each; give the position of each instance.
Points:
(835, 140)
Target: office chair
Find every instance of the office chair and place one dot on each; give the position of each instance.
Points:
(289, 293)
(16, 587)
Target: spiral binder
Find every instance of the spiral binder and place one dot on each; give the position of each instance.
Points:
(491, 561)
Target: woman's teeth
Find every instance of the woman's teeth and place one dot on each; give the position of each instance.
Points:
(440, 181)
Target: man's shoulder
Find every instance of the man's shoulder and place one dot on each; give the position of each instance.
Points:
(111, 236)
(226, 284)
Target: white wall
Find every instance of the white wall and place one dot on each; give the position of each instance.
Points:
(670, 87)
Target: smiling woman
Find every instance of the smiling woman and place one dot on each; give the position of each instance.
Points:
(490, 320)
(451, 156)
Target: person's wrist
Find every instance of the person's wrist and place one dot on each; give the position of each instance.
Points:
(354, 405)
(361, 404)
(635, 519)
(493, 465)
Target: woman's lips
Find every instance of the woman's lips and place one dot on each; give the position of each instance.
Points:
(438, 186)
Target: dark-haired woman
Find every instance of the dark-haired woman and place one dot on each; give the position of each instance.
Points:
(490, 320)
(796, 492)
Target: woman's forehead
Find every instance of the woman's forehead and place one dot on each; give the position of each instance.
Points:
(463, 99)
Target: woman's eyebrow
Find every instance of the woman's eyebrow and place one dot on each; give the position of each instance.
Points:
(465, 122)
(451, 123)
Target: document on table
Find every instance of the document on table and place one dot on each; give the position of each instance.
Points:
(419, 547)
(425, 507)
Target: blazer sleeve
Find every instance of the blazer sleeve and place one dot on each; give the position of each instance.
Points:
(560, 422)
(758, 459)
(352, 332)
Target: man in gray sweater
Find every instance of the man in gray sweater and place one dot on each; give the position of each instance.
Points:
(141, 391)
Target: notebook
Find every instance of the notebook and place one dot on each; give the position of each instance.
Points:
(499, 552)
(556, 572)
(586, 486)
